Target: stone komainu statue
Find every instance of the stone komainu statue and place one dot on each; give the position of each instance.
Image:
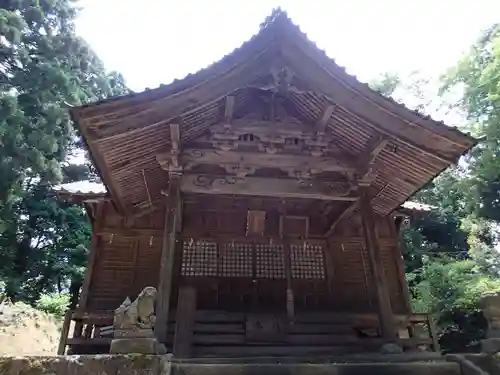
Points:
(133, 325)
(137, 315)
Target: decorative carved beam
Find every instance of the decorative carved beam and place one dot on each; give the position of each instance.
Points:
(255, 160)
(262, 128)
(270, 187)
(323, 121)
(341, 217)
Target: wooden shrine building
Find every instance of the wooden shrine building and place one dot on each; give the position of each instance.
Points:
(259, 196)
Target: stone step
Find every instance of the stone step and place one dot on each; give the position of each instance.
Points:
(381, 368)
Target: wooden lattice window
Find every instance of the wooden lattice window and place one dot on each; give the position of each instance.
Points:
(307, 261)
(199, 258)
(270, 261)
(235, 259)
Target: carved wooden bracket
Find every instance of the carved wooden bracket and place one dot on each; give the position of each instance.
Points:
(273, 187)
(171, 162)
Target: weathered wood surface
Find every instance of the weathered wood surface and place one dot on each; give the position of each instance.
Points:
(126, 134)
(219, 330)
(185, 322)
(314, 164)
(267, 187)
(64, 333)
(170, 238)
(379, 278)
(91, 263)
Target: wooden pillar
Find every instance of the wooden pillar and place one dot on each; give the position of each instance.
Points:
(398, 255)
(287, 253)
(184, 323)
(290, 299)
(61, 350)
(170, 239)
(386, 321)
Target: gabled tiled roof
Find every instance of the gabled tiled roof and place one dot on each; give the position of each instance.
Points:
(125, 133)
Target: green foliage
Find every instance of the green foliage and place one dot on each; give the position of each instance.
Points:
(448, 285)
(54, 303)
(452, 255)
(478, 75)
(44, 68)
(452, 290)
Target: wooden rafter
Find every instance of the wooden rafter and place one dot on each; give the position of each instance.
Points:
(323, 121)
(382, 114)
(374, 148)
(341, 217)
(211, 91)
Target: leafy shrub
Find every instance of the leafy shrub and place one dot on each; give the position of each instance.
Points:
(55, 303)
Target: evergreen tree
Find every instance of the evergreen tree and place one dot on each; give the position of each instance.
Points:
(44, 68)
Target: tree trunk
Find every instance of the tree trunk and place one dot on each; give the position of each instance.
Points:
(74, 290)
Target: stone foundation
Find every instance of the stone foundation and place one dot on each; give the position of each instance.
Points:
(131, 364)
(139, 364)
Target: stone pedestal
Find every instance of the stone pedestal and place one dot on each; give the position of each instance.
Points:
(133, 326)
(144, 345)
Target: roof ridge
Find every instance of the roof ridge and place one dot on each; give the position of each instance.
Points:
(276, 15)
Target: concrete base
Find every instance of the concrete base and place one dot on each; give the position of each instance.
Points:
(143, 345)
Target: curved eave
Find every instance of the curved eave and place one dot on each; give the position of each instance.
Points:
(141, 119)
(373, 97)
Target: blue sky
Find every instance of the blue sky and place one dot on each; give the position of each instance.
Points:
(155, 41)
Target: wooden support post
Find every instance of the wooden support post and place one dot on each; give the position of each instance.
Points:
(64, 333)
(398, 256)
(92, 259)
(184, 325)
(290, 300)
(287, 253)
(386, 321)
(170, 238)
